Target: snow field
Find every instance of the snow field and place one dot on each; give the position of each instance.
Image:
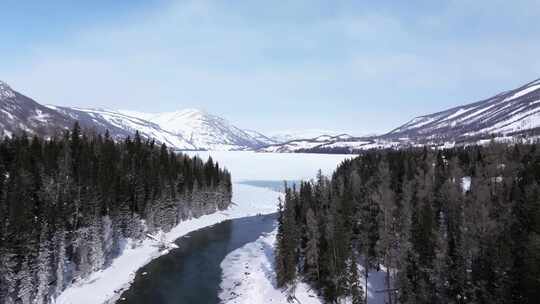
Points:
(247, 165)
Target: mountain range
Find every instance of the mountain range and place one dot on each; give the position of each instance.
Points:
(510, 114)
(188, 129)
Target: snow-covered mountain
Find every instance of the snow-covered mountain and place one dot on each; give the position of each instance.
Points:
(182, 130)
(261, 137)
(290, 135)
(306, 144)
(204, 130)
(20, 113)
(507, 115)
(120, 125)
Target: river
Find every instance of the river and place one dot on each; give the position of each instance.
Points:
(192, 274)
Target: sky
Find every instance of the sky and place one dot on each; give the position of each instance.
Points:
(359, 67)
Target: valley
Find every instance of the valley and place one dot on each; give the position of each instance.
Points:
(269, 152)
(247, 201)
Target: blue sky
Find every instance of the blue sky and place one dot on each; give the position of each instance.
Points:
(355, 66)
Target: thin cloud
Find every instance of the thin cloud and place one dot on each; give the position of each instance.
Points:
(306, 62)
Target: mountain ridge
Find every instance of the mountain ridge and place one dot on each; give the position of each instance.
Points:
(203, 130)
(511, 113)
(19, 113)
(121, 126)
(487, 116)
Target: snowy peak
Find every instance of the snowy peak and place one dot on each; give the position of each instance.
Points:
(523, 91)
(188, 129)
(19, 113)
(6, 91)
(184, 121)
(191, 114)
(203, 130)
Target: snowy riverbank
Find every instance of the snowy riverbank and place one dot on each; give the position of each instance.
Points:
(105, 286)
(249, 277)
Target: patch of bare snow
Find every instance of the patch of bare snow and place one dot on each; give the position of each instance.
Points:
(475, 115)
(40, 116)
(457, 113)
(249, 277)
(466, 183)
(523, 92)
(521, 121)
(9, 115)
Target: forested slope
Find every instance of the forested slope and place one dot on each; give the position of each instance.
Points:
(69, 205)
(447, 226)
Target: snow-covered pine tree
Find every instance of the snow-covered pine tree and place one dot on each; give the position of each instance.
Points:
(69, 204)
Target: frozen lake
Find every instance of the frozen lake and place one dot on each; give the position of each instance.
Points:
(250, 166)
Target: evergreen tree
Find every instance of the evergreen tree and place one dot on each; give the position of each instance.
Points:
(413, 211)
(68, 203)
(356, 291)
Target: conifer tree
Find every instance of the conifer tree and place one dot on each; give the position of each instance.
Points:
(68, 203)
(356, 291)
(414, 212)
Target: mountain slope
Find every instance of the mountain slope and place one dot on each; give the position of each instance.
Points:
(310, 143)
(508, 113)
(120, 126)
(182, 130)
(265, 140)
(20, 113)
(292, 135)
(203, 130)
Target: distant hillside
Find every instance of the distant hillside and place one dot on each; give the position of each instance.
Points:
(189, 129)
(510, 115)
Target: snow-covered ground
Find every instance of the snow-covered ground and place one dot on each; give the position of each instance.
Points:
(249, 277)
(105, 286)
